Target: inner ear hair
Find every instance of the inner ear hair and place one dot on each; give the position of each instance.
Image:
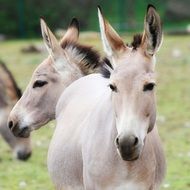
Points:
(152, 36)
(112, 42)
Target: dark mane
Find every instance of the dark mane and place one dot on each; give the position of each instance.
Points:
(91, 61)
(106, 68)
(137, 39)
(17, 89)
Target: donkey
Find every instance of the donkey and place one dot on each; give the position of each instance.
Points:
(106, 137)
(9, 95)
(67, 61)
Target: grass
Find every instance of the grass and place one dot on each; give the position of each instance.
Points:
(173, 103)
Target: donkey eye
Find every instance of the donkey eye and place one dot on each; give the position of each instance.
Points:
(39, 83)
(149, 87)
(113, 87)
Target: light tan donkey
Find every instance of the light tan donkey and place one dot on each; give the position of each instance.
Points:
(67, 62)
(105, 136)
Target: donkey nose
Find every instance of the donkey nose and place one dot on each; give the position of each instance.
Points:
(10, 125)
(117, 141)
(23, 155)
(127, 142)
(128, 147)
(17, 130)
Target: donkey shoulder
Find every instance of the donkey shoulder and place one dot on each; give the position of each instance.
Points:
(86, 87)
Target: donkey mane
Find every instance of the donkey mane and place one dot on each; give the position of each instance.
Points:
(88, 60)
(137, 39)
(9, 74)
(107, 67)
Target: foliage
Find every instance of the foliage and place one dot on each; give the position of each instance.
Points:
(20, 18)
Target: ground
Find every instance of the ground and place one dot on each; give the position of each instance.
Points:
(173, 103)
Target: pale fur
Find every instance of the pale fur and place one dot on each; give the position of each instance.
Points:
(88, 157)
(106, 45)
(83, 152)
(63, 66)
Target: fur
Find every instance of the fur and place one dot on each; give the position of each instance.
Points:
(137, 40)
(15, 86)
(90, 59)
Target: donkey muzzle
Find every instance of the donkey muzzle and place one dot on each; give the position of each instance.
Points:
(17, 130)
(23, 155)
(129, 147)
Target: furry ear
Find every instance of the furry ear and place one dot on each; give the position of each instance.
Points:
(152, 36)
(72, 33)
(112, 42)
(50, 41)
(55, 50)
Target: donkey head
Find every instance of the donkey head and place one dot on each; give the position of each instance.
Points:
(132, 82)
(9, 95)
(37, 105)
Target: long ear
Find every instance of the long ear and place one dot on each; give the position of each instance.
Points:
(112, 42)
(50, 41)
(72, 33)
(54, 48)
(152, 36)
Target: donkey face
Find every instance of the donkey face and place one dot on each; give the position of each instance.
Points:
(132, 83)
(37, 105)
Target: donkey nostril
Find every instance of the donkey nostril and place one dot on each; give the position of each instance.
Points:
(136, 141)
(117, 141)
(23, 156)
(10, 125)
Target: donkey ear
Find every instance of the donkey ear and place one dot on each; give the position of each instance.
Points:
(72, 33)
(50, 40)
(112, 42)
(152, 36)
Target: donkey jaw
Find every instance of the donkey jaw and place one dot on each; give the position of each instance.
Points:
(132, 156)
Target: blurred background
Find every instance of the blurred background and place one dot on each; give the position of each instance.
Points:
(20, 18)
(22, 50)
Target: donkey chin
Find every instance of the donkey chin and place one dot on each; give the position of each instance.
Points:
(129, 155)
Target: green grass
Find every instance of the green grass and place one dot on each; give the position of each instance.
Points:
(173, 103)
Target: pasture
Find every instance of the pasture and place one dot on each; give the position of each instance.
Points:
(173, 119)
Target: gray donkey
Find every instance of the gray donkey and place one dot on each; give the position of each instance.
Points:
(9, 95)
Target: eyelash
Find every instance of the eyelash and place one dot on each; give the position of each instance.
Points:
(113, 87)
(39, 84)
(149, 87)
